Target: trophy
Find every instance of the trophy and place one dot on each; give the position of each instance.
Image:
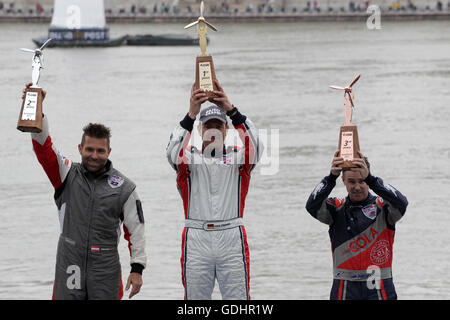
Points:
(30, 118)
(204, 66)
(348, 139)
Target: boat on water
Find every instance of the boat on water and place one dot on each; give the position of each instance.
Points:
(79, 23)
(161, 40)
(82, 23)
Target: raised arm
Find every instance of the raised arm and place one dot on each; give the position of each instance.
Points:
(55, 165)
(176, 148)
(392, 200)
(247, 131)
(249, 136)
(319, 205)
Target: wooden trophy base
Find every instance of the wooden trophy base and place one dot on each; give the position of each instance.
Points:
(205, 75)
(348, 145)
(30, 118)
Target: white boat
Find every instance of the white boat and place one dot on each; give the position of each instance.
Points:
(79, 23)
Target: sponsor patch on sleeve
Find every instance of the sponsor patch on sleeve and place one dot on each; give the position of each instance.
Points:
(338, 202)
(140, 212)
(380, 201)
(65, 161)
(317, 189)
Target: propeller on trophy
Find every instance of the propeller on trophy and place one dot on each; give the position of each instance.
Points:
(30, 118)
(205, 75)
(348, 139)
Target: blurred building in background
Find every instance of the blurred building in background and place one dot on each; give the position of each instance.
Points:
(229, 7)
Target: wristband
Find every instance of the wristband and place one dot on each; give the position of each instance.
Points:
(232, 111)
(136, 268)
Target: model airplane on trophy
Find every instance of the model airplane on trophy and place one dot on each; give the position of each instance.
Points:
(348, 140)
(30, 118)
(201, 19)
(205, 74)
(37, 62)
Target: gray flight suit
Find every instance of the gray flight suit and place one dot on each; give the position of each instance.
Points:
(90, 212)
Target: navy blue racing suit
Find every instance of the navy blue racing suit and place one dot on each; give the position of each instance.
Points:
(362, 238)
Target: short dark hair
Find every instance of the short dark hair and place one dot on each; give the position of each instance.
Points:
(96, 130)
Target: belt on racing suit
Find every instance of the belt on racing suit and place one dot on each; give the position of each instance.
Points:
(362, 275)
(213, 225)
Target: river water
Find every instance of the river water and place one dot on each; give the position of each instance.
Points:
(278, 75)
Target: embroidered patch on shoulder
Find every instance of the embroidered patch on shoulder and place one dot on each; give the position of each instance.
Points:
(64, 161)
(115, 181)
(370, 211)
(338, 203)
(380, 201)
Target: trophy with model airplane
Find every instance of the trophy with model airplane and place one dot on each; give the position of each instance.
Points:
(348, 139)
(30, 118)
(205, 75)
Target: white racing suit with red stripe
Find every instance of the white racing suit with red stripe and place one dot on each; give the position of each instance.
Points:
(91, 210)
(362, 238)
(213, 190)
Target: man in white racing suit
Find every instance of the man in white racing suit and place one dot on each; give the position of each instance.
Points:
(213, 183)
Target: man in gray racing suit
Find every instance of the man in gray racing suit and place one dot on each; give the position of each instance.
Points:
(213, 183)
(93, 200)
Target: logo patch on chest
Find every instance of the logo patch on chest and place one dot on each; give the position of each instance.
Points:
(226, 160)
(115, 181)
(370, 211)
(380, 252)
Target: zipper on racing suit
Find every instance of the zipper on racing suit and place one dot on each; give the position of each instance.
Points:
(90, 211)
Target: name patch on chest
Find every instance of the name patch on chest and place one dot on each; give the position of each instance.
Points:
(115, 181)
(370, 211)
(227, 160)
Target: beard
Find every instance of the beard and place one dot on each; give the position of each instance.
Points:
(93, 165)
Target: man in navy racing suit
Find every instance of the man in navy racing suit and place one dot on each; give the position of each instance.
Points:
(361, 230)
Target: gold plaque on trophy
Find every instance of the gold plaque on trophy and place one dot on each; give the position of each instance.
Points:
(30, 119)
(348, 145)
(205, 75)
